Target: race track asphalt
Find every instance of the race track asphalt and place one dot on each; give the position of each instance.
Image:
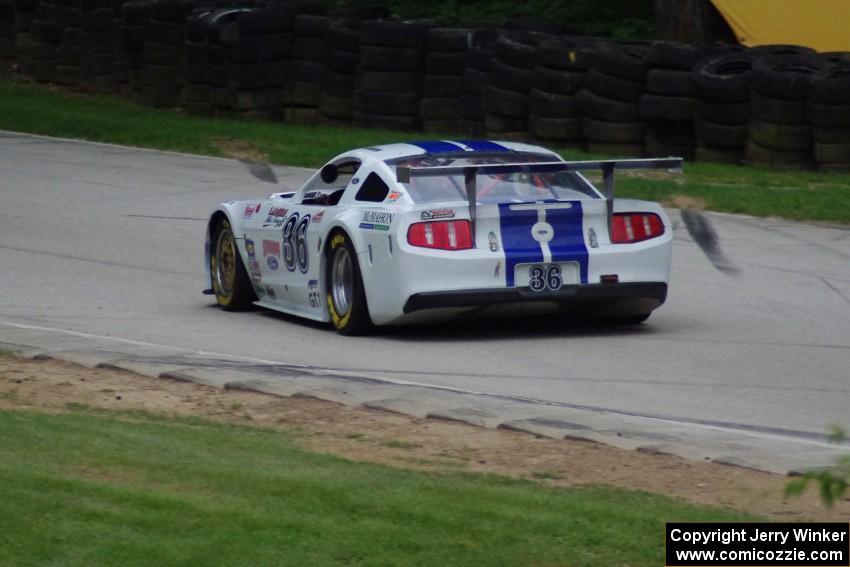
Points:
(108, 241)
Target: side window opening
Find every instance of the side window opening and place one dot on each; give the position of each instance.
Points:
(320, 192)
(373, 189)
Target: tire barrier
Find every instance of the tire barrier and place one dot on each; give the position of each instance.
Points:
(610, 99)
(443, 84)
(780, 106)
(390, 74)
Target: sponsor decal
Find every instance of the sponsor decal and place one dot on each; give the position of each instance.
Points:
(394, 196)
(272, 262)
(314, 297)
(372, 226)
(275, 217)
(271, 248)
(498, 269)
(591, 238)
(249, 248)
(438, 214)
(270, 292)
(355, 181)
(317, 217)
(378, 217)
(250, 209)
(313, 283)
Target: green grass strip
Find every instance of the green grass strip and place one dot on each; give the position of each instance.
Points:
(38, 109)
(133, 489)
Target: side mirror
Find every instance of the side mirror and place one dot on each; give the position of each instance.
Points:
(329, 173)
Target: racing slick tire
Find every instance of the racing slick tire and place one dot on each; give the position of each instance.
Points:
(345, 294)
(230, 283)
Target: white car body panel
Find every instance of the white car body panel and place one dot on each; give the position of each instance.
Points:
(289, 274)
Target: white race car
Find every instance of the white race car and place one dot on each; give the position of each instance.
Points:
(402, 233)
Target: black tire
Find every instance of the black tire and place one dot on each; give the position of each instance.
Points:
(344, 37)
(832, 153)
(439, 63)
(616, 150)
(724, 78)
(612, 87)
(613, 132)
(511, 78)
(829, 115)
(565, 54)
(555, 128)
(393, 34)
(441, 126)
(558, 82)
(310, 49)
(504, 124)
(383, 59)
(230, 283)
(777, 110)
(623, 61)
(780, 50)
(719, 155)
(311, 25)
(781, 137)
(346, 299)
(261, 48)
(602, 108)
(729, 113)
(674, 55)
(548, 105)
(450, 39)
(673, 108)
(443, 108)
(166, 32)
(390, 104)
(786, 77)
(474, 81)
(518, 49)
(776, 159)
(162, 53)
(442, 86)
(340, 108)
(390, 82)
(505, 103)
(720, 135)
(831, 85)
(472, 107)
(831, 135)
(344, 62)
(160, 76)
(670, 82)
(339, 85)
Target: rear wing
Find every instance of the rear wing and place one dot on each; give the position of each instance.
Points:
(607, 167)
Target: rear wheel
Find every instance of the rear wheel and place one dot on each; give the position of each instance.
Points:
(231, 286)
(346, 297)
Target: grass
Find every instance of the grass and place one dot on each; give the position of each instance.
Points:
(44, 110)
(108, 488)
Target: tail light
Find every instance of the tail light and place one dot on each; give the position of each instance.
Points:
(635, 227)
(445, 235)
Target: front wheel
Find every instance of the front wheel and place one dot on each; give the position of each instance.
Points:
(346, 297)
(230, 283)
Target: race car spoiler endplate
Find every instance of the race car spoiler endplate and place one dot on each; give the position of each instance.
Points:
(608, 168)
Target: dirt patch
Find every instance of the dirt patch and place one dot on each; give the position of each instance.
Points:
(239, 149)
(383, 437)
(686, 202)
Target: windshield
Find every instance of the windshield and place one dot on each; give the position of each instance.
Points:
(495, 188)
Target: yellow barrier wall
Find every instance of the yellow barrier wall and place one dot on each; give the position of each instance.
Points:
(823, 25)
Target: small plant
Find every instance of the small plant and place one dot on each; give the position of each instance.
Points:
(356, 436)
(545, 475)
(832, 482)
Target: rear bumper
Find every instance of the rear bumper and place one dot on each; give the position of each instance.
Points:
(641, 297)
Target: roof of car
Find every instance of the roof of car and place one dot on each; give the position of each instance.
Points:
(389, 152)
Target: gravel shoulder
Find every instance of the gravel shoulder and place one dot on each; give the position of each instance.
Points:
(402, 441)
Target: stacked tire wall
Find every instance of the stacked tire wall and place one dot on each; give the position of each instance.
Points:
(775, 106)
(828, 108)
(613, 87)
(554, 115)
(390, 75)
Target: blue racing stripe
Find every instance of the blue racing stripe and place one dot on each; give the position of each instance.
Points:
(437, 146)
(484, 146)
(567, 243)
(517, 240)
